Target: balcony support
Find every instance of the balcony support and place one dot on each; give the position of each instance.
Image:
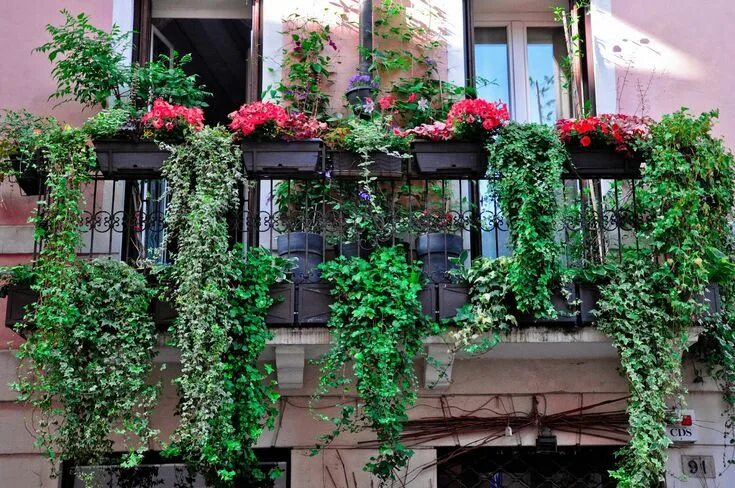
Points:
(438, 367)
(290, 361)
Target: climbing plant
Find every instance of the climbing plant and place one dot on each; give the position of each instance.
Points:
(378, 330)
(221, 297)
(85, 310)
(528, 160)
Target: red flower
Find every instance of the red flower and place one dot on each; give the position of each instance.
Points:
(251, 116)
(412, 97)
(615, 130)
(585, 141)
(490, 115)
(171, 117)
(386, 102)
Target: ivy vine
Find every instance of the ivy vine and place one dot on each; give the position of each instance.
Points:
(378, 330)
(528, 160)
(85, 311)
(222, 299)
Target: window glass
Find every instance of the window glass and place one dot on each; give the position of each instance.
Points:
(491, 64)
(547, 99)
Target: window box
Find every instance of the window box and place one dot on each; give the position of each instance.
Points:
(29, 179)
(573, 311)
(443, 300)
(129, 159)
(347, 164)
(601, 163)
(300, 305)
(282, 158)
(450, 158)
(19, 297)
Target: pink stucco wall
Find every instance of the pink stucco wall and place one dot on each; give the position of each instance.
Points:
(25, 80)
(673, 53)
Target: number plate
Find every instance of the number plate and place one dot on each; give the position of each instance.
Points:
(698, 466)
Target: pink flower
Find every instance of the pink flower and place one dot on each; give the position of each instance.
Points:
(386, 102)
(412, 97)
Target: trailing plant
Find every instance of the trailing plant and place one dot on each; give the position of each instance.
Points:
(652, 299)
(529, 159)
(85, 310)
(633, 313)
(21, 141)
(376, 337)
(221, 303)
(488, 312)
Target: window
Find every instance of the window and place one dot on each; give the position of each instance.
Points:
(218, 35)
(517, 56)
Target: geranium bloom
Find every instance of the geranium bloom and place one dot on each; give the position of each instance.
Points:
(164, 115)
(616, 130)
(438, 131)
(386, 102)
(251, 117)
(412, 97)
(300, 126)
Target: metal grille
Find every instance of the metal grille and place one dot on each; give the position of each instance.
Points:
(524, 467)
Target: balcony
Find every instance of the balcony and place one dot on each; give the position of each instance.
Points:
(318, 210)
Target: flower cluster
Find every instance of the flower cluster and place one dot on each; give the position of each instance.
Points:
(299, 126)
(438, 131)
(362, 81)
(474, 112)
(258, 120)
(172, 119)
(621, 131)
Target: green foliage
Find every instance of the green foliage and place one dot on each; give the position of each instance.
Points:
(88, 61)
(107, 123)
(529, 159)
(488, 312)
(86, 310)
(633, 313)
(378, 330)
(22, 137)
(165, 78)
(221, 301)
(306, 65)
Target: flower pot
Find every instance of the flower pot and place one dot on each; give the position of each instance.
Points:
(347, 164)
(129, 159)
(29, 178)
(282, 158)
(450, 158)
(357, 95)
(435, 251)
(441, 301)
(308, 249)
(601, 163)
(364, 249)
(19, 298)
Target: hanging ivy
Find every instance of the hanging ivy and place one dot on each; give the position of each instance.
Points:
(222, 299)
(85, 310)
(378, 330)
(528, 160)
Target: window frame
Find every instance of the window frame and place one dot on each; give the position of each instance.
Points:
(516, 26)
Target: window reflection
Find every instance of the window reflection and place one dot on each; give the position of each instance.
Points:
(491, 64)
(547, 98)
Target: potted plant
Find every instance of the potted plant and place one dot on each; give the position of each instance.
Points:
(604, 146)
(15, 284)
(21, 149)
(368, 147)
(127, 147)
(360, 88)
(456, 146)
(276, 142)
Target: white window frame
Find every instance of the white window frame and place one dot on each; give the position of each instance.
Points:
(517, 28)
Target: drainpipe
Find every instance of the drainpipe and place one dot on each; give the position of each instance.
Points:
(366, 34)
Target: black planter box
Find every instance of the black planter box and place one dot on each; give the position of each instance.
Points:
(283, 158)
(450, 158)
(29, 179)
(347, 165)
(574, 311)
(129, 160)
(300, 305)
(441, 301)
(601, 163)
(19, 297)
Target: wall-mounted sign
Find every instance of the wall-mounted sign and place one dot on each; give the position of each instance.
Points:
(684, 430)
(698, 466)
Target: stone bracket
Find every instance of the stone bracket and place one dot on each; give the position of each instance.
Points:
(290, 363)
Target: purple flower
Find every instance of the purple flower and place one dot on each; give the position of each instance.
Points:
(364, 196)
(362, 80)
(429, 61)
(331, 43)
(368, 106)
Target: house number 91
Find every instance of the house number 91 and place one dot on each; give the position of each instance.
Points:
(698, 466)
